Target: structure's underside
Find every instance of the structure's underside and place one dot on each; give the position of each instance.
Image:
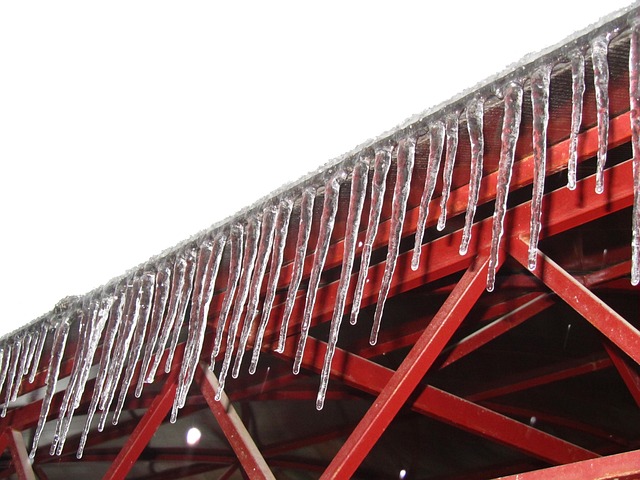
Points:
(540, 373)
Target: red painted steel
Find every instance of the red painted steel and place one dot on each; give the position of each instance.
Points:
(144, 431)
(621, 466)
(413, 368)
(252, 461)
(629, 375)
(19, 455)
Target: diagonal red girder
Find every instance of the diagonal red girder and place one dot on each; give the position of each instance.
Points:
(582, 300)
(234, 430)
(19, 455)
(628, 374)
(413, 368)
(620, 466)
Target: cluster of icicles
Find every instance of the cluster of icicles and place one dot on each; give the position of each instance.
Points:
(139, 317)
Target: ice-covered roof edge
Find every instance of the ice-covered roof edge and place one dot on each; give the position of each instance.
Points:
(415, 125)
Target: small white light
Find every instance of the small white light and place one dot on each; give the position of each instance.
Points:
(360, 244)
(533, 421)
(403, 474)
(193, 436)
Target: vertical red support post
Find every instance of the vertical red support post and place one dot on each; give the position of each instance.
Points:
(143, 433)
(249, 456)
(413, 368)
(19, 455)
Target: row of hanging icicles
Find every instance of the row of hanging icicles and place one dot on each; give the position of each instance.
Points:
(140, 315)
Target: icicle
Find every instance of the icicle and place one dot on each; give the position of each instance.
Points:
(327, 222)
(248, 264)
(4, 364)
(57, 351)
(121, 348)
(281, 230)
(475, 113)
(235, 269)
(378, 187)
(599, 48)
(436, 141)
(32, 344)
(306, 217)
(146, 297)
(634, 96)
(42, 338)
(4, 375)
(509, 138)
(266, 243)
(23, 365)
(177, 284)
(13, 372)
(577, 76)
(160, 299)
(406, 158)
(185, 296)
(450, 159)
(115, 317)
(197, 326)
(540, 81)
(356, 202)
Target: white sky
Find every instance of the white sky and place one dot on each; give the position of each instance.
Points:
(128, 126)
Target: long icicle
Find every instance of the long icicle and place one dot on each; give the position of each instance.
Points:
(248, 262)
(540, 81)
(327, 222)
(306, 217)
(356, 202)
(44, 330)
(378, 187)
(599, 50)
(280, 240)
(5, 353)
(577, 94)
(406, 159)
(266, 243)
(509, 138)
(634, 97)
(57, 351)
(436, 143)
(185, 296)
(11, 375)
(475, 127)
(146, 298)
(160, 299)
(115, 316)
(235, 269)
(449, 162)
(197, 327)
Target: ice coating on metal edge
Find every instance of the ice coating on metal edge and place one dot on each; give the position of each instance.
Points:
(235, 269)
(577, 94)
(406, 159)
(599, 50)
(57, 351)
(436, 144)
(356, 202)
(147, 289)
(378, 187)
(327, 222)
(451, 128)
(185, 296)
(178, 272)
(264, 251)
(540, 81)
(509, 137)
(198, 320)
(281, 230)
(475, 127)
(115, 316)
(304, 229)
(634, 116)
(160, 299)
(248, 262)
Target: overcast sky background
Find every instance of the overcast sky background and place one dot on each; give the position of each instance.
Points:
(128, 126)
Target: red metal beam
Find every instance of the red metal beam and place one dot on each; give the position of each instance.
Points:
(620, 466)
(19, 455)
(248, 454)
(413, 368)
(629, 375)
(143, 432)
(582, 300)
